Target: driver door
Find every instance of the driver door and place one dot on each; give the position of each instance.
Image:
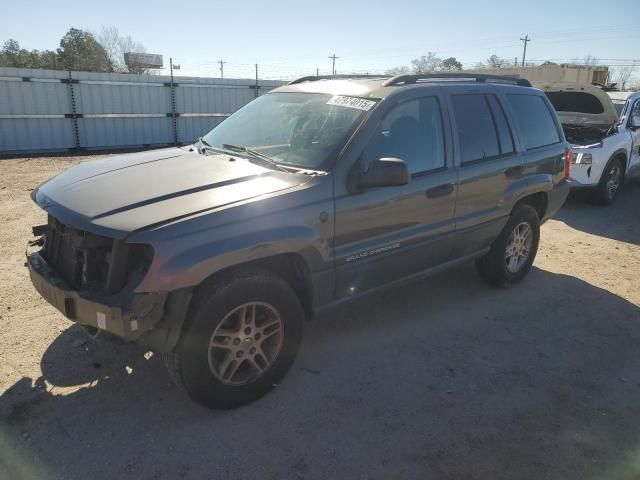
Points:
(384, 234)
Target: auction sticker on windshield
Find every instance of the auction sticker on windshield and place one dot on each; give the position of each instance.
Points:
(351, 102)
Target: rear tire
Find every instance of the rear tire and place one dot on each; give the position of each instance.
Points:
(610, 183)
(514, 251)
(240, 339)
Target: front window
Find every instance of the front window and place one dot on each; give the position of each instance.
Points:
(304, 130)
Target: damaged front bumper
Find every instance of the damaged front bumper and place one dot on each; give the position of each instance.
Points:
(127, 315)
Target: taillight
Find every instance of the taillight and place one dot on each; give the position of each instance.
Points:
(568, 160)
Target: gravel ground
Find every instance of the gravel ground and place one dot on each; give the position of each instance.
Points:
(446, 378)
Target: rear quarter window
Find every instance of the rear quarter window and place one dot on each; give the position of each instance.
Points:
(536, 122)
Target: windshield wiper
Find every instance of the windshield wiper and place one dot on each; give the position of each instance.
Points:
(265, 160)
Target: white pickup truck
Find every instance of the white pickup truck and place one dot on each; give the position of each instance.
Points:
(604, 131)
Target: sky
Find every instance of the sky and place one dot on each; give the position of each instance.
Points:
(292, 38)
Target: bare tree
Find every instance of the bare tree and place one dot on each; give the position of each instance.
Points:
(634, 85)
(116, 45)
(621, 75)
(590, 61)
(494, 61)
(426, 64)
(401, 70)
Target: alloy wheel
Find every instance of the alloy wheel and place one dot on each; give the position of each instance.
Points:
(518, 247)
(613, 181)
(246, 343)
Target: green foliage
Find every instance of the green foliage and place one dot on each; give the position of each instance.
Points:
(79, 50)
(12, 55)
(451, 63)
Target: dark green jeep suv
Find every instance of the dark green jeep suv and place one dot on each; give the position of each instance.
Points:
(313, 194)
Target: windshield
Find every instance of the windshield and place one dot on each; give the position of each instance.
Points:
(299, 129)
(619, 105)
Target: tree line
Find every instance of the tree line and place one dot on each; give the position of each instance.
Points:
(431, 63)
(78, 50)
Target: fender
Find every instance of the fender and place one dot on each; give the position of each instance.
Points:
(529, 185)
(621, 152)
(193, 265)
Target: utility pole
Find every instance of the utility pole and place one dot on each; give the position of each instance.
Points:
(515, 62)
(257, 87)
(317, 72)
(525, 40)
(221, 62)
(334, 58)
(173, 103)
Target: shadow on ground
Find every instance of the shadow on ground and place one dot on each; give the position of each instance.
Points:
(612, 221)
(445, 378)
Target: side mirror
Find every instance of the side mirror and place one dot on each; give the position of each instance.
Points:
(385, 172)
(635, 122)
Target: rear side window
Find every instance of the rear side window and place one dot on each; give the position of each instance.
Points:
(476, 127)
(536, 122)
(504, 132)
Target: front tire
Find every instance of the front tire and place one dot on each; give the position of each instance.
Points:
(241, 337)
(610, 183)
(515, 249)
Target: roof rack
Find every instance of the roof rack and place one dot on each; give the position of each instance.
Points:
(477, 77)
(313, 78)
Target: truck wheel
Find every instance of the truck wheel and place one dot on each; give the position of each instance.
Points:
(610, 183)
(240, 339)
(513, 252)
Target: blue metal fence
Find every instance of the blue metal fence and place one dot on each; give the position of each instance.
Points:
(49, 110)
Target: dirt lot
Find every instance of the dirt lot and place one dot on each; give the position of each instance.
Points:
(446, 378)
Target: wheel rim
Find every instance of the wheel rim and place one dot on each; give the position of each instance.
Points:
(613, 182)
(518, 247)
(246, 343)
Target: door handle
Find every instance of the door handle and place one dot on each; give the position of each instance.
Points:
(514, 172)
(440, 191)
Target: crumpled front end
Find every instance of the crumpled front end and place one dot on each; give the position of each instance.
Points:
(91, 279)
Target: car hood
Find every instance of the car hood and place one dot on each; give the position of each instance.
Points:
(121, 194)
(580, 104)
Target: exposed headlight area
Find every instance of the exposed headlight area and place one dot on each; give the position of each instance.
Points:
(582, 158)
(92, 262)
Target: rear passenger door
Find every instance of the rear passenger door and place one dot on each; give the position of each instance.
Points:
(507, 139)
(488, 166)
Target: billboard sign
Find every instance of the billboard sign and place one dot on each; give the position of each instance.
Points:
(143, 60)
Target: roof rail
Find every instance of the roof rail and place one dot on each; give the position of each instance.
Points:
(477, 77)
(313, 78)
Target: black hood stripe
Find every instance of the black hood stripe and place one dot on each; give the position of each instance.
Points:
(189, 191)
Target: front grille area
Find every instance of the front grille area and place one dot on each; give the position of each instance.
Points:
(91, 262)
(84, 260)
